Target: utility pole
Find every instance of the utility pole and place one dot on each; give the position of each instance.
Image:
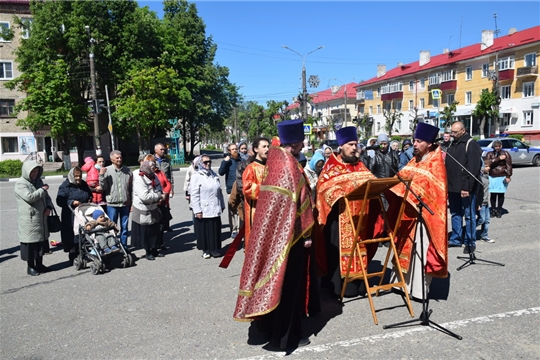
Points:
(304, 88)
(94, 94)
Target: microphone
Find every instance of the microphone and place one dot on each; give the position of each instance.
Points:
(372, 147)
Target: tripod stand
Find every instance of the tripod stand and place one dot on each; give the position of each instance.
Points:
(471, 261)
(426, 312)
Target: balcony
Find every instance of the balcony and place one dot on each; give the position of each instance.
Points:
(527, 71)
(434, 87)
(506, 75)
(449, 85)
(392, 96)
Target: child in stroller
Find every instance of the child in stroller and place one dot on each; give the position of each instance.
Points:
(106, 240)
(90, 251)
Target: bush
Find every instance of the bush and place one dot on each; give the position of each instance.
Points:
(516, 136)
(11, 168)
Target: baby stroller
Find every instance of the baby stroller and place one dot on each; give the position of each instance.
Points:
(89, 250)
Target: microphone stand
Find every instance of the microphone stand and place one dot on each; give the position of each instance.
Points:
(426, 312)
(470, 260)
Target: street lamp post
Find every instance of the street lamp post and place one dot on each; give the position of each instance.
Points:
(304, 90)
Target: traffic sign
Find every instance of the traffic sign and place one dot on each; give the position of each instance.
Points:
(436, 94)
(307, 129)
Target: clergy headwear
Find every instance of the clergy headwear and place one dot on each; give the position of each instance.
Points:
(426, 132)
(346, 134)
(291, 131)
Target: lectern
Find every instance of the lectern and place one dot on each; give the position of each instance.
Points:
(371, 190)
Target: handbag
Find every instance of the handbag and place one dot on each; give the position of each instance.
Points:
(53, 222)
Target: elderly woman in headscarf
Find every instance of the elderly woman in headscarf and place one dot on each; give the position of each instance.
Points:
(33, 207)
(73, 192)
(208, 204)
(313, 170)
(145, 213)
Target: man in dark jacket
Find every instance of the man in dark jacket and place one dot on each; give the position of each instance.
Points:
(386, 161)
(228, 169)
(463, 165)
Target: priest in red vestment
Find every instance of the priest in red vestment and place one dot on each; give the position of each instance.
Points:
(342, 174)
(428, 174)
(275, 279)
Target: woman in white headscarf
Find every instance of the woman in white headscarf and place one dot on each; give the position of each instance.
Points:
(207, 203)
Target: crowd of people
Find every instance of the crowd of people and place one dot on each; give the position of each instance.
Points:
(289, 210)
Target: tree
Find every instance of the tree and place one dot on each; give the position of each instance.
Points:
(448, 114)
(54, 61)
(142, 103)
(365, 123)
(187, 50)
(485, 108)
(413, 119)
(391, 117)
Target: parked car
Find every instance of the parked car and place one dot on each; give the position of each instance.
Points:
(521, 153)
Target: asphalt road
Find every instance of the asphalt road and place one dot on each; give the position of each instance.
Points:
(181, 306)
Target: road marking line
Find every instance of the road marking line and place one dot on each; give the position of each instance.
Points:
(398, 334)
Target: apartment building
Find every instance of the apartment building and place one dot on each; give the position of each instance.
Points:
(15, 142)
(460, 75)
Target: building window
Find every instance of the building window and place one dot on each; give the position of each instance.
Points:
(7, 108)
(411, 85)
(468, 98)
(505, 92)
(528, 89)
(378, 126)
(530, 59)
(392, 87)
(448, 75)
(27, 27)
(371, 110)
(398, 106)
(468, 73)
(378, 92)
(422, 103)
(506, 63)
(10, 145)
(435, 103)
(411, 105)
(485, 70)
(528, 118)
(434, 79)
(6, 70)
(6, 25)
(378, 109)
(506, 119)
(422, 83)
(449, 99)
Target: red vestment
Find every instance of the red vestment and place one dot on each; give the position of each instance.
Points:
(251, 184)
(283, 218)
(336, 180)
(429, 183)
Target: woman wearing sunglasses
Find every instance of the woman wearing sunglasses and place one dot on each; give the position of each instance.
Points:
(207, 203)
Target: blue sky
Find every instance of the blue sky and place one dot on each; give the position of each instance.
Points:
(356, 35)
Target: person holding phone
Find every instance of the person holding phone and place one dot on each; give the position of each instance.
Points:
(500, 173)
(228, 169)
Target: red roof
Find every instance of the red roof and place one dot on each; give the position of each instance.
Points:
(326, 95)
(469, 52)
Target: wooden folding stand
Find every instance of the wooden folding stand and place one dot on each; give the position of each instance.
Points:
(370, 190)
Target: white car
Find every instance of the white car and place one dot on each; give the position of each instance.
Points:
(521, 153)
